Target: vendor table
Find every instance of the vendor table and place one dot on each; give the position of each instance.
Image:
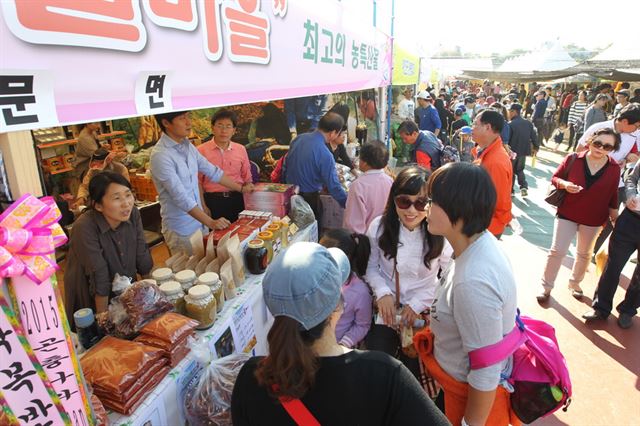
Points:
(243, 321)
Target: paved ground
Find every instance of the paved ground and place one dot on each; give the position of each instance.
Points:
(603, 359)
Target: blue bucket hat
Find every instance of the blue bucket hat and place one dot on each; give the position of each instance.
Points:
(466, 130)
(304, 282)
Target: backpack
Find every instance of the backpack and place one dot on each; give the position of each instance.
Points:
(540, 376)
(449, 154)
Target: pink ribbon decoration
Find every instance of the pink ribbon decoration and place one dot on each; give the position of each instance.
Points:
(29, 235)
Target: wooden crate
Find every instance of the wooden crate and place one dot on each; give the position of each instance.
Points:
(143, 187)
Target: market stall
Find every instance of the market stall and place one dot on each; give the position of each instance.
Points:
(138, 69)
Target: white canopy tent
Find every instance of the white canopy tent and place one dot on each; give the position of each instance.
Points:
(554, 59)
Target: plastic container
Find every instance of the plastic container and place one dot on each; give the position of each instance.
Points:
(201, 306)
(267, 238)
(255, 257)
(212, 280)
(162, 275)
(86, 327)
(173, 292)
(186, 278)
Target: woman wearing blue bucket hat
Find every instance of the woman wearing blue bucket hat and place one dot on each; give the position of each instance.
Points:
(308, 378)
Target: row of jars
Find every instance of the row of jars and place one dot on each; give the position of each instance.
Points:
(200, 298)
(261, 251)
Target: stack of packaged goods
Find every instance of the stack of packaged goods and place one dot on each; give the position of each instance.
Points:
(169, 333)
(248, 224)
(123, 373)
(270, 197)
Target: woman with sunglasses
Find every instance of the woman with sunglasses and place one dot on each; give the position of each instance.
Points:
(590, 179)
(404, 254)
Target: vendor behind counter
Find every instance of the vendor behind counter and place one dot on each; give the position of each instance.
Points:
(106, 240)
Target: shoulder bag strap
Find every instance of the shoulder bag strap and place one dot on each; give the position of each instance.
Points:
(397, 276)
(298, 412)
(570, 164)
(493, 354)
(296, 409)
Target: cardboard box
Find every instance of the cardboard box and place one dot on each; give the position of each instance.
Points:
(270, 197)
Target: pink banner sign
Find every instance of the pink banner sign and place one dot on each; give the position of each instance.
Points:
(25, 392)
(40, 315)
(29, 234)
(69, 61)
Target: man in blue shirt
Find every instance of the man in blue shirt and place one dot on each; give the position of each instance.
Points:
(427, 116)
(538, 115)
(175, 164)
(303, 114)
(311, 166)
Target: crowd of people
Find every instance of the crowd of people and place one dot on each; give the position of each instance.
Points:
(420, 247)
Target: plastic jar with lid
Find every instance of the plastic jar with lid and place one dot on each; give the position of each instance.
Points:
(212, 280)
(255, 257)
(86, 327)
(274, 228)
(173, 292)
(267, 238)
(201, 306)
(162, 275)
(186, 278)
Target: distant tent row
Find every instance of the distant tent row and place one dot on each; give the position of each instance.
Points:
(620, 62)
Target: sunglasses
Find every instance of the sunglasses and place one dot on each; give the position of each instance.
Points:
(604, 146)
(404, 202)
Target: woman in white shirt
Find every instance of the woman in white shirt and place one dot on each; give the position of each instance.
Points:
(402, 245)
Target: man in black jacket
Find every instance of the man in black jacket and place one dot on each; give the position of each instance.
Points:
(523, 136)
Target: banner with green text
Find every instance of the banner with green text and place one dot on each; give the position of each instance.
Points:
(70, 61)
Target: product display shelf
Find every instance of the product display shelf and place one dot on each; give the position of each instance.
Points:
(163, 405)
(112, 134)
(58, 143)
(65, 170)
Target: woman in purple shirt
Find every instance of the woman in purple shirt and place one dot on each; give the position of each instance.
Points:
(355, 321)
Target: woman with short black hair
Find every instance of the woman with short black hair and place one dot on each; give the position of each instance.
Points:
(476, 306)
(106, 240)
(590, 179)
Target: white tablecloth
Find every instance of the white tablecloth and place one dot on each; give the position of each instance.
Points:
(162, 406)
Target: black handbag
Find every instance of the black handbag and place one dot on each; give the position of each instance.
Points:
(555, 196)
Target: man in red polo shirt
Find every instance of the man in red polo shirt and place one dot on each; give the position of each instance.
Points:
(494, 158)
(232, 158)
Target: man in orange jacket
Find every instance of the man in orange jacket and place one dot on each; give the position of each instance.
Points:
(494, 158)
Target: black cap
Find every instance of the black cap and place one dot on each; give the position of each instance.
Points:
(515, 107)
(99, 154)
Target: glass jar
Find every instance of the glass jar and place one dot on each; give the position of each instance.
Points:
(162, 275)
(201, 306)
(186, 278)
(172, 290)
(255, 257)
(86, 327)
(267, 238)
(212, 280)
(274, 228)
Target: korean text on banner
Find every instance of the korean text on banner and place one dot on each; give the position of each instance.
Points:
(26, 394)
(216, 53)
(406, 67)
(29, 233)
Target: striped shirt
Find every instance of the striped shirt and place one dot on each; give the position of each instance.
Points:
(577, 111)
